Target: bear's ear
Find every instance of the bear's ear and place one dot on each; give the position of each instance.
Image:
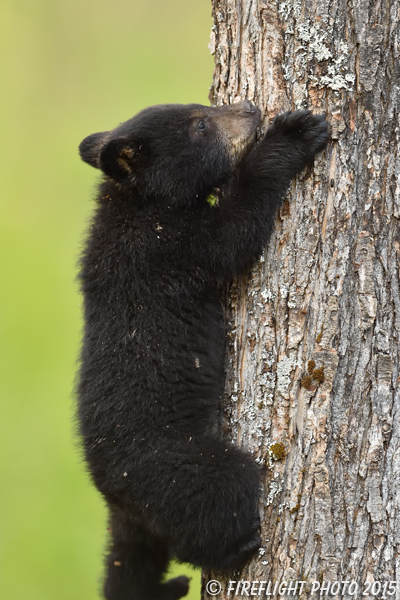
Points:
(90, 147)
(117, 159)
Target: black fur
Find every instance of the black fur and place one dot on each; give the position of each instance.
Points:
(152, 363)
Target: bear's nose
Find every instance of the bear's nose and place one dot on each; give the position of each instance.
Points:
(245, 106)
(248, 106)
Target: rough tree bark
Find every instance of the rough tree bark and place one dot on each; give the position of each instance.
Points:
(313, 364)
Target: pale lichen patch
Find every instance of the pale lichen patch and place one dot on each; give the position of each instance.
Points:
(316, 57)
(284, 369)
(274, 490)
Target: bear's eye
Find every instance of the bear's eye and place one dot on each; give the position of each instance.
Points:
(201, 125)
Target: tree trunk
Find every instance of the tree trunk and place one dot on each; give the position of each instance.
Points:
(313, 359)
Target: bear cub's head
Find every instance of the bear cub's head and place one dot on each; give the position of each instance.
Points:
(174, 152)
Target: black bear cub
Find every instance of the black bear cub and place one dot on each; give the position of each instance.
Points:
(152, 362)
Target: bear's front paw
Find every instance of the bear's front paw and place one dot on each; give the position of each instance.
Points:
(308, 131)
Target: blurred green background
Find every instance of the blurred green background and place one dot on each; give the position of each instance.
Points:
(69, 68)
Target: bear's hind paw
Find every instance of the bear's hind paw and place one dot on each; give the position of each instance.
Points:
(175, 588)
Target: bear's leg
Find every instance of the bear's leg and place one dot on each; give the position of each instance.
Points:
(202, 494)
(136, 563)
